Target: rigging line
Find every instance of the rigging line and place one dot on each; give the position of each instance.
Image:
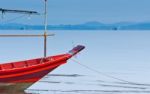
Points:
(109, 76)
(10, 20)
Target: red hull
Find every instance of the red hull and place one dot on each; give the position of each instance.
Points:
(33, 70)
(27, 72)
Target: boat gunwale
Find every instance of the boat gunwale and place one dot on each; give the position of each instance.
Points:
(33, 66)
(43, 66)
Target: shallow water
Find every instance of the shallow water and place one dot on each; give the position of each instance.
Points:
(86, 84)
(121, 54)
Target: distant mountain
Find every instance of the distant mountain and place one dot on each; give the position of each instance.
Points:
(94, 25)
(137, 26)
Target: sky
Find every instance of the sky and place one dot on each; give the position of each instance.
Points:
(81, 11)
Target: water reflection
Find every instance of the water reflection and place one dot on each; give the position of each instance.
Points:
(85, 84)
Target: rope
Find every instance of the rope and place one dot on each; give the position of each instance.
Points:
(10, 20)
(109, 76)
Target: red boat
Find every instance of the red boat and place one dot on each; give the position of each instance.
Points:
(22, 74)
(15, 77)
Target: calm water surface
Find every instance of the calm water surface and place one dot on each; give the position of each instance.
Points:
(121, 54)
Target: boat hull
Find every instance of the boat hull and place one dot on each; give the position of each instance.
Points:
(17, 76)
(31, 73)
(13, 88)
(16, 81)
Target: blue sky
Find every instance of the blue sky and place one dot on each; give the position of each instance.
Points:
(80, 11)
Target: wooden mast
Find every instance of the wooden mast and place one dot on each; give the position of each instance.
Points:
(30, 35)
(45, 32)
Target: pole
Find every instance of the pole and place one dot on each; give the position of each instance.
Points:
(45, 44)
(24, 35)
(45, 31)
(45, 35)
(18, 11)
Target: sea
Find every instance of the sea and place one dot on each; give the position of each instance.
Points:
(113, 62)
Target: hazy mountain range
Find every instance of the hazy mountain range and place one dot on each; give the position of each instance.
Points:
(85, 26)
